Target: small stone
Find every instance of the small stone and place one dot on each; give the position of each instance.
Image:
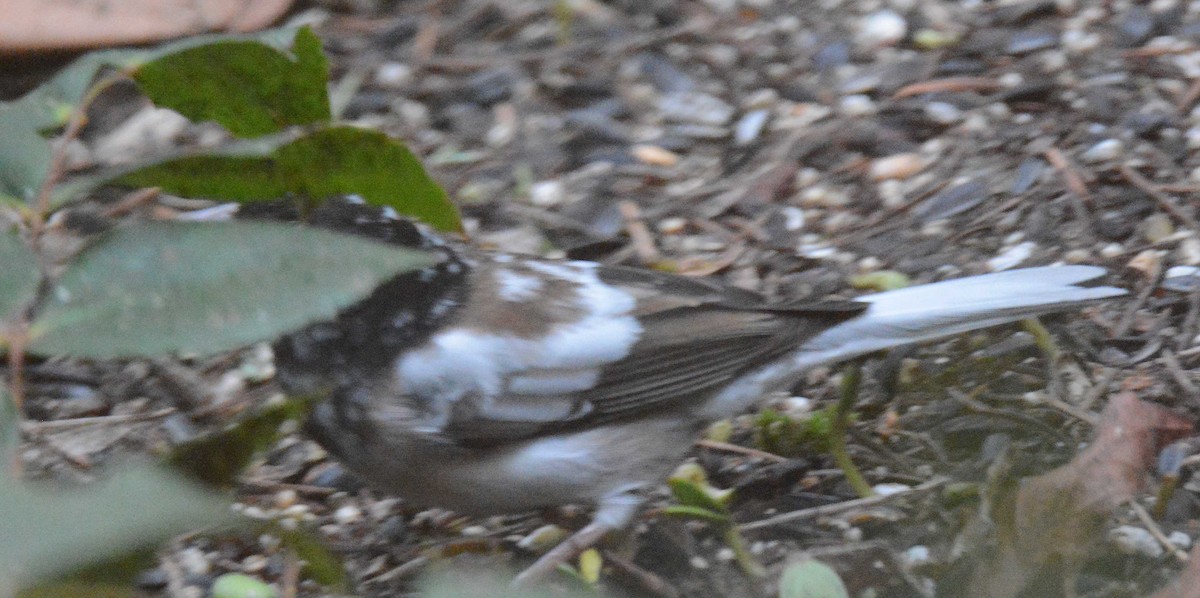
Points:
(1108, 149)
(698, 562)
(881, 28)
(897, 166)
(393, 75)
(1012, 256)
(254, 563)
(943, 113)
(1112, 250)
(750, 126)
(474, 531)
(547, 194)
(296, 511)
(654, 155)
(1157, 227)
(1188, 252)
(285, 498)
(672, 226)
(695, 107)
(793, 218)
(1181, 279)
(347, 514)
(917, 555)
(1180, 540)
(1135, 540)
(890, 489)
(194, 562)
(1148, 263)
(856, 105)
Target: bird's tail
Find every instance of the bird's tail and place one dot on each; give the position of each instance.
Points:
(941, 309)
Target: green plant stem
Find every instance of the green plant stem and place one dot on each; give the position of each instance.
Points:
(750, 565)
(851, 379)
(1043, 338)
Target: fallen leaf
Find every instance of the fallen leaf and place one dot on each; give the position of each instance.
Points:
(1059, 517)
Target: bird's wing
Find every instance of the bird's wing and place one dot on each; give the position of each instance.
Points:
(636, 341)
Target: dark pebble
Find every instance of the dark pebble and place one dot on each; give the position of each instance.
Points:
(664, 75)
(1025, 42)
(1135, 27)
(951, 201)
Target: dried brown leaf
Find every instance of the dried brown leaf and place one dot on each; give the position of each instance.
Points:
(1060, 516)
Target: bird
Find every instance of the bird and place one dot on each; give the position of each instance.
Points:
(491, 382)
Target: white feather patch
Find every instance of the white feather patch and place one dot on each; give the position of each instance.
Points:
(516, 287)
(461, 363)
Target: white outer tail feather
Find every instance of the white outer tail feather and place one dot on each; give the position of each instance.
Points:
(950, 307)
(924, 313)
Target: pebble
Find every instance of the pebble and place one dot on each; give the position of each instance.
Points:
(393, 75)
(1181, 279)
(254, 563)
(1012, 257)
(897, 166)
(1157, 227)
(474, 531)
(917, 555)
(943, 113)
(750, 126)
(1135, 540)
(856, 105)
(194, 562)
(672, 226)
(1148, 263)
(881, 28)
(1103, 151)
(654, 155)
(1112, 250)
(1180, 540)
(695, 107)
(1189, 251)
(347, 514)
(547, 194)
(285, 498)
(890, 489)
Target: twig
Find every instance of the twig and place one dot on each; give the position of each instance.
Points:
(834, 509)
(1069, 173)
(1157, 532)
(643, 241)
(1177, 373)
(1166, 202)
(99, 419)
(646, 579)
(291, 575)
(949, 84)
(717, 445)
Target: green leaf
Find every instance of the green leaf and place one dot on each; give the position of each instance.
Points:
(59, 530)
(238, 585)
(700, 494)
(19, 276)
(163, 287)
(250, 88)
(24, 157)
(25, 154)
(811, 579)
(217, 459)
(325, 163)
(320, 563)
(700, 513)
